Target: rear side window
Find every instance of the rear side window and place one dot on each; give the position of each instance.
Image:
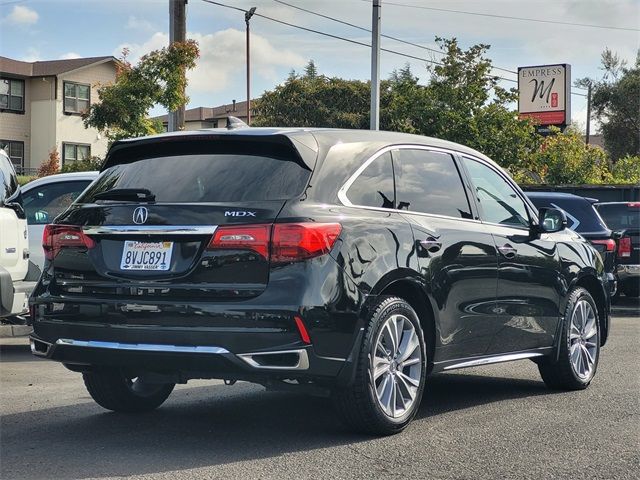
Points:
(621, 216)
(374, 186)
(206, 178)
(429, 182)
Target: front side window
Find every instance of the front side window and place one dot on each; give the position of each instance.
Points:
(374, 186)
(12, 94)
(76, 97)
(72, 152)
(499, 201)
(429, 182)
(43, 204)
(15, 151)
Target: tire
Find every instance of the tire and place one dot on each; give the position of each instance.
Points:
(370, 405)
(116, 391)
(579, 349)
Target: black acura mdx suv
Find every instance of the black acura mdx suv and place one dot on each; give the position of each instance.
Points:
(344, 263)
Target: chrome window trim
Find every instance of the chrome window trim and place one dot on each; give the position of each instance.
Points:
(142, 347)
(151, 230)
(342, 193)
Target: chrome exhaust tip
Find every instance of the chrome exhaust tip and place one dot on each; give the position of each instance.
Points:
(39, 348)
(282, 360)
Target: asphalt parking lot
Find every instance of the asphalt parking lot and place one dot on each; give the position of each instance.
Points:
(492, 422)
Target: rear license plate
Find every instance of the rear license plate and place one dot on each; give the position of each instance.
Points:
(146, 255)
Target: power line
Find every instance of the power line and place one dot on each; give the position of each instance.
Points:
(356, 42)
(507, 17)
(440, 52)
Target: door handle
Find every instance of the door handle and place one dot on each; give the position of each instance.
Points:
(508, 251)
(430, 244)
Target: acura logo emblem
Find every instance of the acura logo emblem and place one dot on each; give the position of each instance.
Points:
(140, 215)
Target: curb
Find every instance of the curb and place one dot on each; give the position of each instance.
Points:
(15, 330)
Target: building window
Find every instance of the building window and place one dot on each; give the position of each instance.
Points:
(15, 150)
(72, 152)
(76, 97)
(12, 94)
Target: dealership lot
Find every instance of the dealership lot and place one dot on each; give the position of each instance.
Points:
(491, 422)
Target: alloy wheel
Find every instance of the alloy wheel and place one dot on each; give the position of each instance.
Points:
(583, 340)
(397, 366)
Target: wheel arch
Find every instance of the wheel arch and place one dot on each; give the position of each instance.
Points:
(592, 285)
(411, 291)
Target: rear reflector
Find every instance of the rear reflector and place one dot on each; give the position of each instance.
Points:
(624, 247)
(242, 237)
(57, 237)
(304, 334)
(281, 243)
(633, 204)
(609, 244)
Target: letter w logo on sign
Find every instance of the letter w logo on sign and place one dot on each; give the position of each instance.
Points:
(540, 91)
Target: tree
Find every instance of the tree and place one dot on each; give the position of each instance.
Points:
(564, 158)
(158, 78)
(616, 104)
(462, 102)
(314, 100)
(83, 165)
(627, 170)
(51, 165)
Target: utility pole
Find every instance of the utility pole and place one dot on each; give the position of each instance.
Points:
(177, 33)
(587, 139)
(375, 65)
(247, 18)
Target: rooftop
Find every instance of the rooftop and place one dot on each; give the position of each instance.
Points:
(48, 67)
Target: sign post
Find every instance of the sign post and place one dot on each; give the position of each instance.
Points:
(544, 94)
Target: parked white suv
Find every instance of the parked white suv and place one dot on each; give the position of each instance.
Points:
(17, 275)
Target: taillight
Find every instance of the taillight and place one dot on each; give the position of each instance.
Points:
(57, 237)
(609, 244)
(633, 204)
(293, 242)
(243, 237)
(281, 243)
(624, 247)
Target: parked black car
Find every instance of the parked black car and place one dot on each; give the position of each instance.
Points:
(344, 263)
(624, 218)
(583, 218)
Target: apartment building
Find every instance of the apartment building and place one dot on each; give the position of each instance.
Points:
(41, 106)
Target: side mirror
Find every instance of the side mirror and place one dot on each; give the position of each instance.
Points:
(551, 220)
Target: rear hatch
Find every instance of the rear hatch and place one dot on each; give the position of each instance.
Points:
(178, 218)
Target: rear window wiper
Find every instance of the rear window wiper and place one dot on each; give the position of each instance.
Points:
(126, 194)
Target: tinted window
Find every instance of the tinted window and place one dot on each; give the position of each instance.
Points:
(374, 186)
(429, 182)
(206, 178)
(499, 201)
(621, 216)
(43, 204)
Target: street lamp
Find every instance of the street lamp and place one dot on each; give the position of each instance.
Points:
(247, 18)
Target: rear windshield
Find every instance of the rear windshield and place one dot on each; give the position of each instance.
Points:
(620, 216)
(582, 217)
(206, 178)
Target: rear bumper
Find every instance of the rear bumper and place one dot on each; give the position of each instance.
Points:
(626, 272)
(293, 361)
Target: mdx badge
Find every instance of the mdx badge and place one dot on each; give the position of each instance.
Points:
(140, 215)
(239, 213)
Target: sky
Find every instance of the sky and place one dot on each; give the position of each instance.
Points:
(33, 30)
